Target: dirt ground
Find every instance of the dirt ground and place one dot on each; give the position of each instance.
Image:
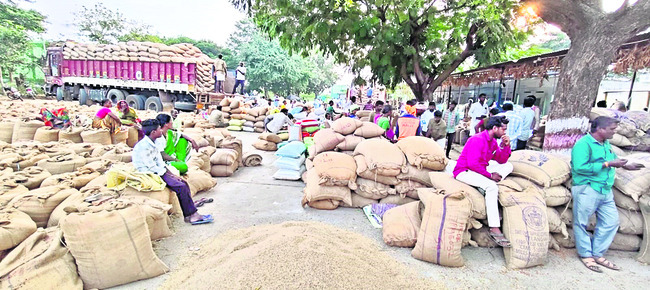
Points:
(252, 197)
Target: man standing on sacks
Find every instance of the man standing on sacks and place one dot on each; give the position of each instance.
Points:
(482, 164)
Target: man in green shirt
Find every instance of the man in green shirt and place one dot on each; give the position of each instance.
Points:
(592, 168)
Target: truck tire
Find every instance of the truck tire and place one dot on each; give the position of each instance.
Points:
(185, 106)
(115, 95)
(136, 101)
(154, 104)
(83, 97)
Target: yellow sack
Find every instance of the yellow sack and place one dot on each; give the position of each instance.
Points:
(119, 177)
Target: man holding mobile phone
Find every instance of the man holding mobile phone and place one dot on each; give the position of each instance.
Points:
(592, 169)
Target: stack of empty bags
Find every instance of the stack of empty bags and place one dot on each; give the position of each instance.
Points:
(254, 119)
(291, 161)
(309, 127)
(267, 142)
(364, 115)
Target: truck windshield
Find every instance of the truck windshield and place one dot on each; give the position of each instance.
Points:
(54, 60)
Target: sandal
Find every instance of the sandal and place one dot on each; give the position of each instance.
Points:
(500, 240)
(591, 264)
(606, 263)
(204, 220)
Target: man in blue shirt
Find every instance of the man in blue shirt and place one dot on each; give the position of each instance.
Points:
(515, 123)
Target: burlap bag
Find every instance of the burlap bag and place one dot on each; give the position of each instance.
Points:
(326, 140)
(9, 190)
(99, 241)
(444, 219)
(39, 203)
(409, 188)
(15, 227)
(359, 201)
(346, 126)
(40, 261)
(644, 251)
(412, 173)
(553, 196)
(623, 201)
(6, 131)
(265, 145)
(396, 199)
(157, 216)
(634, 183)
(349, 143)
(270, 137)
(445, 181)
(336, 169)
(325, 204)
(25, 130)
(423, 152)
(198, 180)
(364, 172)
(46, 134)
(77, 179)
(369, 130)
(382, 157)
(555, 224)
(99, 136)
(62, 163)
(482, 237)
(624, 242)
(401, 225)
(76, 199)
(315, 192)
(372, 190)
(543, 169)
(630, 222)
(30, 177)
(82, 148)
(223, 170)
(565, 242)
(525, 225)
(223, 157)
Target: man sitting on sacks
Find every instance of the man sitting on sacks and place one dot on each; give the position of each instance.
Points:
(147, 158)
(592, 170)
(482, 164)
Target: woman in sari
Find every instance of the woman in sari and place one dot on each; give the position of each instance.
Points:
(58, 118)
(126, 114)
(105, 119)
(174, 146)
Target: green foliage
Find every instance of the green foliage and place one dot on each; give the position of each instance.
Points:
(422, 39)
(15, 26)
(104, 25)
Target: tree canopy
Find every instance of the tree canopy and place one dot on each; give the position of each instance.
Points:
(418, 42)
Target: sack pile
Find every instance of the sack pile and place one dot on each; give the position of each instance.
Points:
(309, 127)
(329, 182)
(633, 131)
(267, 142)
(291, 161)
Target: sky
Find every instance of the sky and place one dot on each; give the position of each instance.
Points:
(199, 19)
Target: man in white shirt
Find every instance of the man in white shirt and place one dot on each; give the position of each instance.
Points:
(273, 123)
(240, 78)
(427, 116)
(477, 111)
(528, 118)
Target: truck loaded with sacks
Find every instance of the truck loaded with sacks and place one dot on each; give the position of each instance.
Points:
(145, 74)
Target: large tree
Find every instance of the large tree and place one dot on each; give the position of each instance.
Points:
(418, 42)
(104, 25)
(595, 37)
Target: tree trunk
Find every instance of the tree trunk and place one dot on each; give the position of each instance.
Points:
(581, 72)
(2, 83)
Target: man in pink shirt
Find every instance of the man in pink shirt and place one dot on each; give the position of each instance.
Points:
(482, 164)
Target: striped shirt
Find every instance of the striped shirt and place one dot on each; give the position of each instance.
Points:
(452, 118)
(515, 127)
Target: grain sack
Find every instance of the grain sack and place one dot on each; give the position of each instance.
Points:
(326, 204)
(157, 216)
(199, 180)
(369, 130)
(630, 222)
(444, 219)
(423, 152)
(111, 247)
(544, 169)
(370, 189)
(289, 174)
(623, 242)
(555, 224)
(223, 157)
(644, 251)
(553, 196)
(25, 130)
(634, 183)
(401, 225)
(362, 171)
(223, 170)
(39, 203)
(99, 136)
(6, 131)
(409, 188)
(346, 126)
(270, 137)
(623, 201)
(326, 140)
(40, 262)
(82, 149)
(349, 143)
(412, 173)
(524, 224)
(46, 134)
(15, 227)
(382, 157)
(315, 192)
(9, 190)
(265, 145)
(482, 237)
(620, 141)
(71, 133)
(359, 201)
(77, 179)
(565, 242)
(396, 199)
(30, 177)
(132, 137)
(446, 182)
(62, 163)
(336, 169)
(120, 136)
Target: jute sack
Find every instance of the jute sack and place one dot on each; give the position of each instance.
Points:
(372, 190)
(120, 136)
(270, 137)
(620, 141)
(346, 126)
(132, 137)
(111, 246)
(555, 224)
(644, 251)
(423, 152)
(157, 216)
(445, 181)
(77, 179)
(565, 242)
(46, 134)
(15, 227)
(401, 225)
(325, 204)
(260, 125)
(482, 237)
(82, 148)
(359, 201)
(71, 133)
(39, 203)
(543, 169)
(315, 192)
(119, 155)
(40, 261)
(198, 180)
(630, 222)
(9, 190)
(623, 242)
(223, 170)
(553, 196)
(382, 157)
(30, 177)
(409, 188)
(25, 130)
(634, 183)
(326, 140)
(396, 199)
(412, 173)
(99, 136)
(224, 157)
(369, 130)
(524, 224)
(6, 131)
(62, 163)
(265, 145)
(444, 219)
(362, 171)
(336, 169)
(76, 199)
(349, 143)
(623, 201)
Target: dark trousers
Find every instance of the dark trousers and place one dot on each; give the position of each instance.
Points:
(521, 145)
(182, 190)
(237, 83)
(450, 140)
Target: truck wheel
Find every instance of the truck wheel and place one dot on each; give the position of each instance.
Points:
(136, 101)
(185, 106)
(115, 95)
(154, 104)
(83, 97)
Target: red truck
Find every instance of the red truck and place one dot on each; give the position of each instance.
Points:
(146, 75)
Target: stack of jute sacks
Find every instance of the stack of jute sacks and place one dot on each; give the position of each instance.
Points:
(267, 142)
(632, 133)
(248, 118)
(147, 52)
(227, 158)
(291, 161)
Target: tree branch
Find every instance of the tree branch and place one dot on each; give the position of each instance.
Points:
(469, 50)
(405, 76)
(565, 13)
(631, 20)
